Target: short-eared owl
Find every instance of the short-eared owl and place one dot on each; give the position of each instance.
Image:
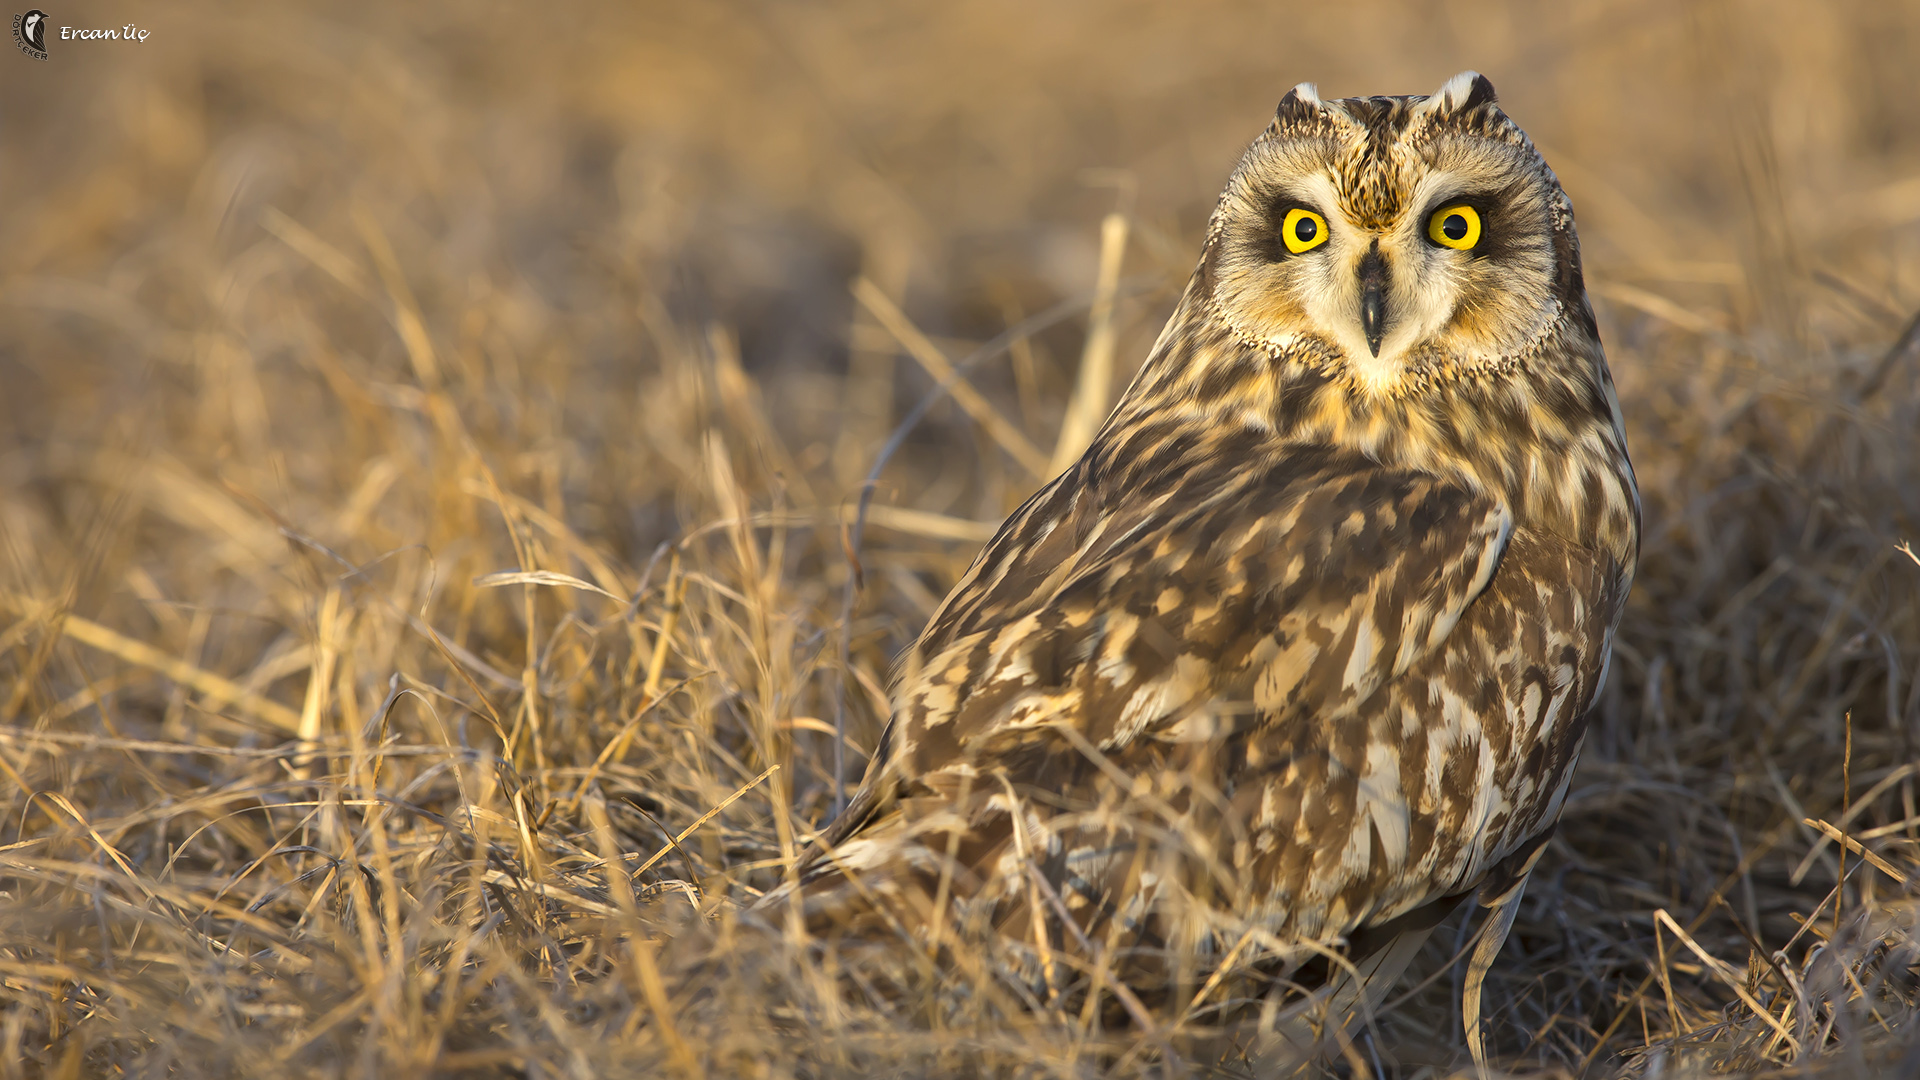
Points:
(1299, 654)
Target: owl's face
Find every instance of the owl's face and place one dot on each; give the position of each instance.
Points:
(1401, 240)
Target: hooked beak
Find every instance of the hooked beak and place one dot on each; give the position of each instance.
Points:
(1373, 296)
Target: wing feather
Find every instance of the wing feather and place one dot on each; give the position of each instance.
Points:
(1180, 610)
(1300, 586)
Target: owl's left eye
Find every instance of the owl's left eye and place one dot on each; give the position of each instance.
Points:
(1303, 230)
(1457, 227)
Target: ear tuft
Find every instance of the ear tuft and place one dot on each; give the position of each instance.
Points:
(1301, 102)
(1467, 90)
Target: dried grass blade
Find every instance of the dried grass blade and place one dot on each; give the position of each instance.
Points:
(1660, 308)
(596, 563)
(1851, 811)
(1753, 855)
(655, 991)
(111, 852)
(997, 427)
(1093, 389)
(532, 856)
(1858, 848)
(704, 818)
(407, 320)
(336, 1016)
(923, 523)
(217, 691)
(326, 651)
(1136, 1009)
(676, 590)
(1726, 974)
(552, 578)
(315, 250)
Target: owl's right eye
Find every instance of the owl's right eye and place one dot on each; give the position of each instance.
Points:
(1303, 230)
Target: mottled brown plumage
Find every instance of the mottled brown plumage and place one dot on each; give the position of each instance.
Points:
(1304, 643)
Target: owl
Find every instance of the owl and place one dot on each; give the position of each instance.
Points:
(1298, 656)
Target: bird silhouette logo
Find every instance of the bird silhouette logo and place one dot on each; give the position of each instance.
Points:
(30, 33)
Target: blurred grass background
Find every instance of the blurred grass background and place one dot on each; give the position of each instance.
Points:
(312, 316)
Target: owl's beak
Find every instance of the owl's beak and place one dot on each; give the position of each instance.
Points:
(1373, 296)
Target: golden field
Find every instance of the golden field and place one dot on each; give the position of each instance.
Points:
(430, 449)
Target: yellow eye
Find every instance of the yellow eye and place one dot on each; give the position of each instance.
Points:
(1303, 230)
(1456, 227)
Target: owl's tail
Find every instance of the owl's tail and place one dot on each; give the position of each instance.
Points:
(1311, 1030)
(1500, 895)
(1317, 1027)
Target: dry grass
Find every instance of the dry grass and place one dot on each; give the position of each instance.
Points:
(315, 320)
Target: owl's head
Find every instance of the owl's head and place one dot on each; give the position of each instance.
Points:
(1400, 241)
